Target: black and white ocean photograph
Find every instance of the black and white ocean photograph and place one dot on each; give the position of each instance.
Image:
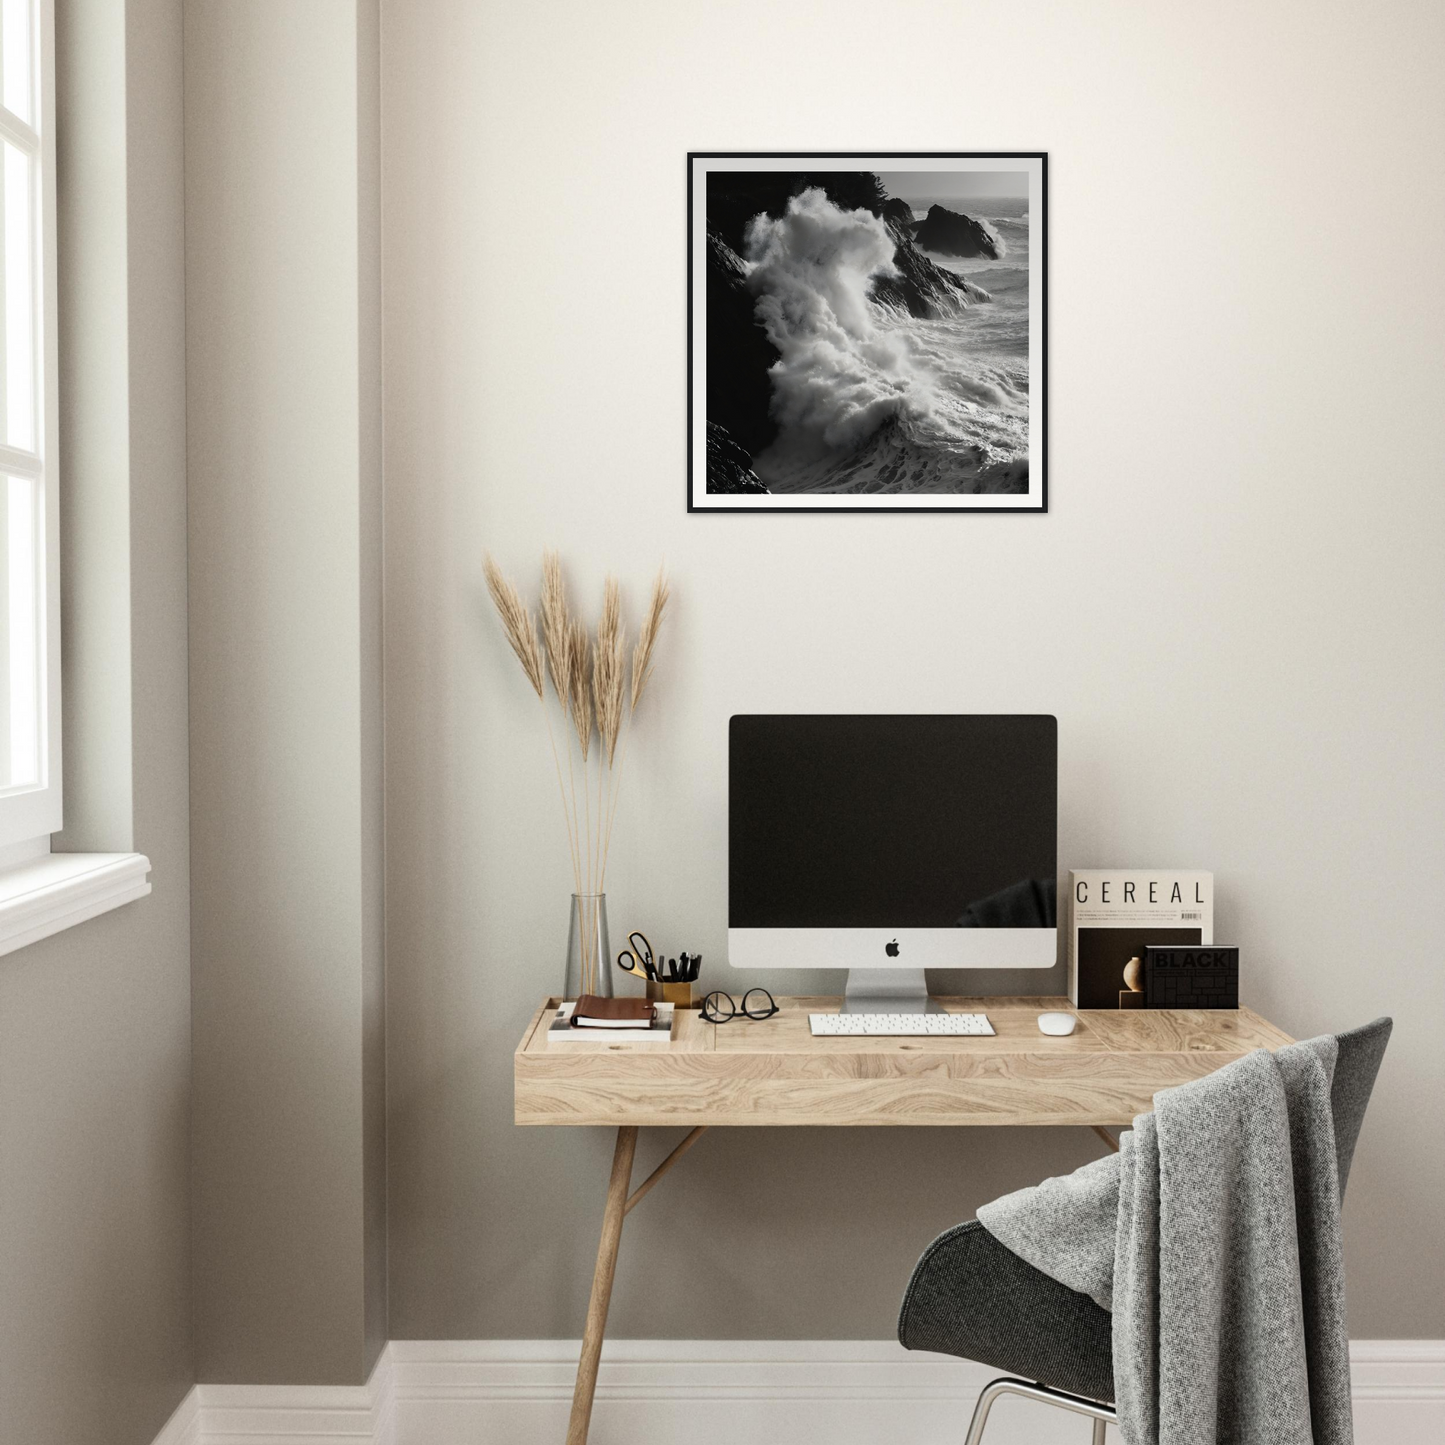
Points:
(867, 333)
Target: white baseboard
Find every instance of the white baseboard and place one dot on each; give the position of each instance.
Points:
(288, 1414)
(713, 1392)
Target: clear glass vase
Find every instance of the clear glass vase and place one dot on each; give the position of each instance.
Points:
(589, 952)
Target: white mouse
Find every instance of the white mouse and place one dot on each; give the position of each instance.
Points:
(1057, 1023)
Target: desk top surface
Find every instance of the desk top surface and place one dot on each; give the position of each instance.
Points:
(771, 1072)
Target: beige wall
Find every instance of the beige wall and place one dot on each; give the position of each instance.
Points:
(282, 318)
(95, 1344)
(1234, 606)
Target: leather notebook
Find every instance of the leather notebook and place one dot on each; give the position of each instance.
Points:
(593, 1012)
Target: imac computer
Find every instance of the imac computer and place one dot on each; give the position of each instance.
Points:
(890, 844)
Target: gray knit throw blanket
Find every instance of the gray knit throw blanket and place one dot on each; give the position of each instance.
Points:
(1214, 1237)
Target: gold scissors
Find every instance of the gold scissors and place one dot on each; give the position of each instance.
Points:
(637, 958)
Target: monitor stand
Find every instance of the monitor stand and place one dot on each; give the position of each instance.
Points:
(887, 991)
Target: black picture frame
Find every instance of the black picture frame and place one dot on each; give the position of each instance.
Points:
(700, 497)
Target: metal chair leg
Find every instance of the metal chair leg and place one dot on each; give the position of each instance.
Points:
(1099, 1413)
(980, 1411)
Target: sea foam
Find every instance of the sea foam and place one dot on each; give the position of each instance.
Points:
(839, 377)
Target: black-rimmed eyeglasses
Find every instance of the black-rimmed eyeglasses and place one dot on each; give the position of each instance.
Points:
(719, 1008)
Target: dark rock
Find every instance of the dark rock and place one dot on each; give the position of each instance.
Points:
(729, 467)
(950, 234)
(738, 353)
(895, 209)
(923, 288)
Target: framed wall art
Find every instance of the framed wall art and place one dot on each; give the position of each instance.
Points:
(867, 332)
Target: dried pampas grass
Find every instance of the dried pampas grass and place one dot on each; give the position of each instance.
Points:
(579, 685)
(516, 622)
(589, 681)
(647, 637)
(556, 635)
(609, 670)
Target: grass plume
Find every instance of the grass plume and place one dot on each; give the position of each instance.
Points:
(517, 623)
(647, 637)
(609, 670)
(579, 685)
(556, 634)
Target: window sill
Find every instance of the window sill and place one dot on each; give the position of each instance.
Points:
(60, 890)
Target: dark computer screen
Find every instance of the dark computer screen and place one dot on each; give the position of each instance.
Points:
(933, 821)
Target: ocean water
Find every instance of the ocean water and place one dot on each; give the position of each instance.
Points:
(873, 400)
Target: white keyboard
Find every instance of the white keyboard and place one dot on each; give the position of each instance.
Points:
(912, 1026)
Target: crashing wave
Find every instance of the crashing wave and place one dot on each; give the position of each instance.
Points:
(812, 270)
(847, 365)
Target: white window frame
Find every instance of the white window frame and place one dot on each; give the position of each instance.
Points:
(42, 892)
(29, 815)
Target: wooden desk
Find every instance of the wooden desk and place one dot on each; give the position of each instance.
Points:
(770, 1072)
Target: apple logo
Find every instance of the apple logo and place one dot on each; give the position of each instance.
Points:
(891, 949)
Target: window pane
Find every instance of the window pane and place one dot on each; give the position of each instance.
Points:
(20, 634)
(19, 353)
(16, 40)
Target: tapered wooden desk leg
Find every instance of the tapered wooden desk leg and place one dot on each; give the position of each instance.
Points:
(612, 1217)
(1106, 1136)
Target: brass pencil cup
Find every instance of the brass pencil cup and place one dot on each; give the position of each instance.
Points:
(679, 994)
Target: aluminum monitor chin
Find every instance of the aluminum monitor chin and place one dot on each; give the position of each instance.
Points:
(892, 842)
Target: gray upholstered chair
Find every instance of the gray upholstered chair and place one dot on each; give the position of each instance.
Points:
(972, 1297)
